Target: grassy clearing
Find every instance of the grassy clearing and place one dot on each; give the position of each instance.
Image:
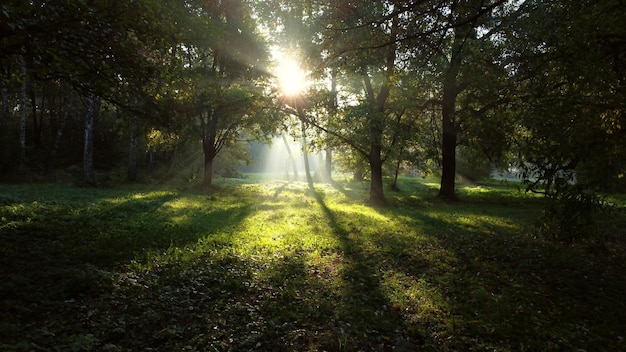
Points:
(271, 266)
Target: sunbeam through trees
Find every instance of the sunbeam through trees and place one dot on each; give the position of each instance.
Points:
(326, 175)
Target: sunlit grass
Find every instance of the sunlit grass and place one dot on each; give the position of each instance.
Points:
(272, 266)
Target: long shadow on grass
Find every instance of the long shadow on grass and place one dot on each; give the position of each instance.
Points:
(505, 290)
(57, 254)
(366, 318)
(59, 249)
(351, 192)
(471, 278)
(108, 232)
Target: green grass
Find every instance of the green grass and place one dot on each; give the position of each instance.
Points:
(270, 266)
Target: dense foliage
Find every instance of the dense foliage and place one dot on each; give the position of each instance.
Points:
(121, 74)
(534, 85)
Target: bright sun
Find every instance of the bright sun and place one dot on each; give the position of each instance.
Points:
(292, 80)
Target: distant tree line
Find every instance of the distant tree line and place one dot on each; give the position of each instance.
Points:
(144, 89)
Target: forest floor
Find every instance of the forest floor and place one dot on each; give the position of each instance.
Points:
(272, 266)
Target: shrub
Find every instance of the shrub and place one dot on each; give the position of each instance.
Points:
(573, 214)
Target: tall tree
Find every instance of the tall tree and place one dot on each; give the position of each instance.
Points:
(222, 88)
(464, 53)
(376, 43)
(374, 69)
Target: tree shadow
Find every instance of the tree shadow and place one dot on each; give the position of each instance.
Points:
(209, 304)
(502, 288)
(58, 253)
(366, 318)
(351, 190)
(451, 277)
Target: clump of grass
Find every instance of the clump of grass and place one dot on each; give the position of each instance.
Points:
(272, 266)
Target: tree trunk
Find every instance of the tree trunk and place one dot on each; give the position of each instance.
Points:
(292, 160)
(376, 123)
(377, 195)
(132, 150)
(23, 118)
(88, 168)
(358, 175)
(208, 169)
(37, 118)
(328, 166)
(395, 175)
(448, 148)
(57, 139)
(209, 143)
(150, 161)
(4, 127)
(333, 114)
(208, 146)
(305, 147)
(451, 90)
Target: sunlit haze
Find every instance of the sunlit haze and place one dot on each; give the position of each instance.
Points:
(278, 164)
(292, 79)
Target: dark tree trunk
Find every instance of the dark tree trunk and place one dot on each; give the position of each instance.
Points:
(58, 136)
(377, 103)
(210, 152)
(451, 90)
(208, 169)
(448, 148)
(4, 128)
(377, 195)
(209, 144)
(23, 118)
(37, 118)
(88, 166)
(150, 161)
